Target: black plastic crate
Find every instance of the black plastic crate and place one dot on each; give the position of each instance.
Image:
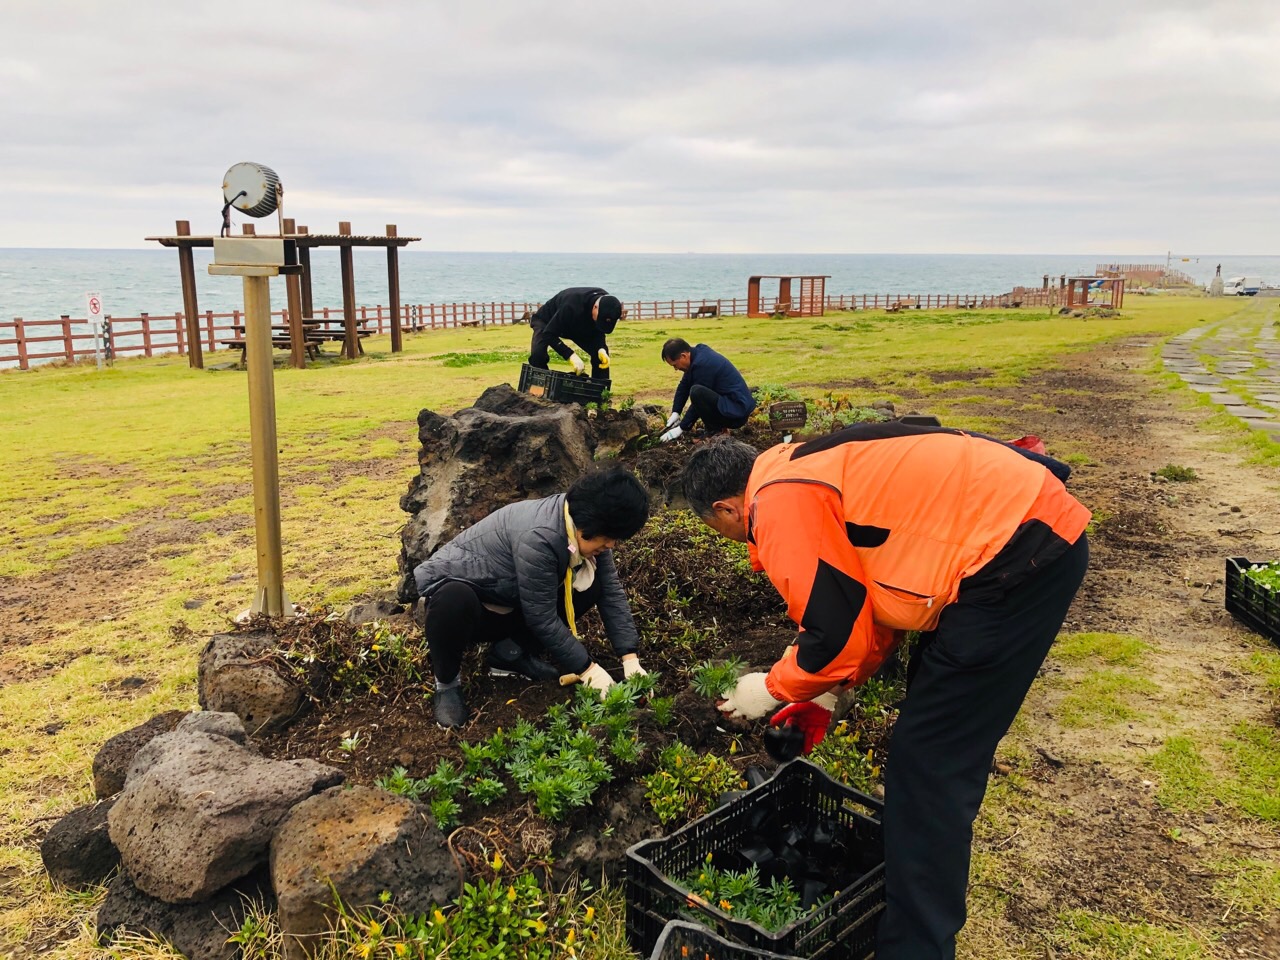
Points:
(683, 940)
(561, 387)
(1250, 603)
(801, 795)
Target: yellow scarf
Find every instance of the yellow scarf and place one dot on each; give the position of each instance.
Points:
(568, 572)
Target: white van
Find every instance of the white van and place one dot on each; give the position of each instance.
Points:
(1241, 287)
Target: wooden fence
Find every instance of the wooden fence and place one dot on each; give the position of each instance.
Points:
(24, 343)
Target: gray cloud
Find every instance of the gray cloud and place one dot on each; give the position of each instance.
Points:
(714, 126)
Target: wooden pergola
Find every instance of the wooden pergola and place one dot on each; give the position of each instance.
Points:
(297, 286)
(812, 301)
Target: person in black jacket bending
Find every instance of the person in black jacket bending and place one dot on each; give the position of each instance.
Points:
(716, 393)
(585, 315)
(518, 579)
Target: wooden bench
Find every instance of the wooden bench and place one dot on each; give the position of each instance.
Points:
(311, 346)
(707, 310)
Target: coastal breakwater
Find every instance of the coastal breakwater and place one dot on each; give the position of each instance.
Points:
(28, 343)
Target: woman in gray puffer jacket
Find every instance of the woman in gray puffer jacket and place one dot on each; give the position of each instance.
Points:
(506, 581)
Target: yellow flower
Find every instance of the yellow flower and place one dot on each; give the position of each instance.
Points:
(570, 937)
(539, 927)
(591, 914)
(496, 863)
(511, 894)
(726, 905)
(402, 950)
(437, 918)
(375, 928)
(363, 950)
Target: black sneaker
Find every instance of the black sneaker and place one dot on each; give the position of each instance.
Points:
(449, 707)
(506, 659)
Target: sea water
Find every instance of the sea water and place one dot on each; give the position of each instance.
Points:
(44, 284)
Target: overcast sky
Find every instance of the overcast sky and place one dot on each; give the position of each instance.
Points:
(808, 126)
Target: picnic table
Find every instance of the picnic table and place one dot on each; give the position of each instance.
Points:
(314, 333)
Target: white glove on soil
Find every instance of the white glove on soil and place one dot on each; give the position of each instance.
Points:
(603, 354)
(670, 434)
(631, 666)
(596, 677)
(578, 365)
(672, 420)
(750, 699)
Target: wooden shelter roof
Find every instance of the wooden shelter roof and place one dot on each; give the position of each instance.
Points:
(303, 240)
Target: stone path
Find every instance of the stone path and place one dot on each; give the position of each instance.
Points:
(1245, 356)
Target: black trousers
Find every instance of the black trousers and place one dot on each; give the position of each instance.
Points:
(543, 341)
(967, 683)
(705, 403)
(456, 620)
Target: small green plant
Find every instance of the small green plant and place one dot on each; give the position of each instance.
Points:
(1265, 575)
(446, 811)
(664, 710)
(486, 790)
(398, 781)
(1177, 474)
(686, 784)
(445, 782)
(626, 749)
(742, 896)
(350, 742)
(843, 755)
(716, 679)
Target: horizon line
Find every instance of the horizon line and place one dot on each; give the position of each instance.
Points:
(722, 253)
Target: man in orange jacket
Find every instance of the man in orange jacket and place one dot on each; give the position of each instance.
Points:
(883, 528)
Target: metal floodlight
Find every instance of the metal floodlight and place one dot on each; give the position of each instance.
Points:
(255, 190)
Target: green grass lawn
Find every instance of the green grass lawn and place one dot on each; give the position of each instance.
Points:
(128, 515)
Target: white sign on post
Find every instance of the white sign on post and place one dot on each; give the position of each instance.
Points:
(93, 310)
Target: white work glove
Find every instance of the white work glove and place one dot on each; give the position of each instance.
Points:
(670, 434)
(604, 358)
(672, 420)
(750, 699)
(596, 677)
(631, 666)
(578, 365)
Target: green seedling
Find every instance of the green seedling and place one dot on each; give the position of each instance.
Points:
(686, 784)
(445, 810)
(486, 790)
(664, 710)
(398, 781)
(445, 782)
(714, 680)
(742, 896)
(350, 742)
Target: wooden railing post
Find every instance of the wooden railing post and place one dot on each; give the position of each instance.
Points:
(69, 347)
(20, 334)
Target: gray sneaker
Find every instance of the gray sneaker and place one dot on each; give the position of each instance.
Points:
(449, 707)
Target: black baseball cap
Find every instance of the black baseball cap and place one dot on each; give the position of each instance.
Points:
(608, 312)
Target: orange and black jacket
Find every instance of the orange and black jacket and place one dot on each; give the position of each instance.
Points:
(873, 530)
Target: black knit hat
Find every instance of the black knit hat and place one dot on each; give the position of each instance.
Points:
(608, 312)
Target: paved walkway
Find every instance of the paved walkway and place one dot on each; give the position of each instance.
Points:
(1235, 362)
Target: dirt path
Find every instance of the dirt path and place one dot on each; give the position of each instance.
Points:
(1078, 831)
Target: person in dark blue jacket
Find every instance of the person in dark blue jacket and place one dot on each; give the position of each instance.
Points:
(714, 389)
